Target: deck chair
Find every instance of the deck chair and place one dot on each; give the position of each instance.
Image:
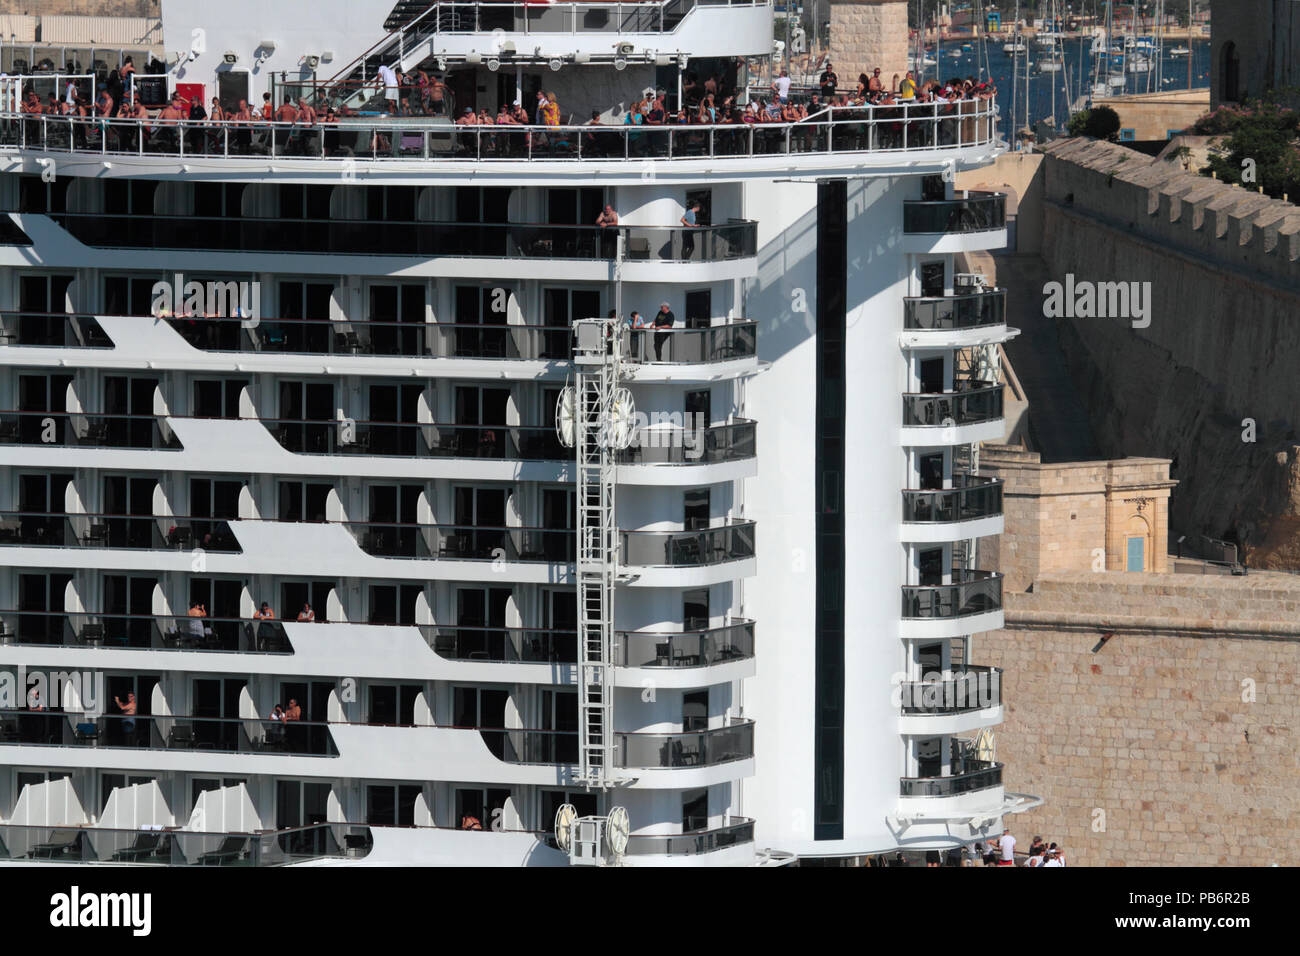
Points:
(230, 851)
(61, 843)
(145, 844)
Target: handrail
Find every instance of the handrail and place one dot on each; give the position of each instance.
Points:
(859, 129)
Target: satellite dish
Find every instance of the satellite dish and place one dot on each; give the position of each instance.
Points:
(617, 829)
(622, 419)
(566, 415)
(564, 818)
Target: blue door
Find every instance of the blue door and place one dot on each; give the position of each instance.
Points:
(1136, 552)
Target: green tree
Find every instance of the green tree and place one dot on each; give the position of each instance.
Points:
(1100, 122)
(1260, 147)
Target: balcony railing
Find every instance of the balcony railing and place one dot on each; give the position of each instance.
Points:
(417, 439)
(732, 240)
(464, 542)
(52, 330)
(703, 648)
(977, 775)
(686, 749)
(513, 645)
(969, 498)
(684, 549)
(216, 333)
(172, 846)
(638, 16)
(898, 127)
(977, 688)
(704, 748)
(168, 732)
(84, 429)
(971, 592)
(969, 404)
(715, 343)
(150, 532)
(693, 843)
(954, 312)
(973, 212)
(157, 631)
(686, 446)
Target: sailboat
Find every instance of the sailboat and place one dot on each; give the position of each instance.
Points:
(1016, 46)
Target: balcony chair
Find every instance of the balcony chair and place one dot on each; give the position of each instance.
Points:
(232, 849)
(63, 842)
(145, 844)
(638, 247)
(181, 737)
(87, 733)
(97, 534)
(92, 634)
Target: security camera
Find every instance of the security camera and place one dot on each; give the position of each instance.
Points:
(230, 56)
(312, 60)
(494, 64)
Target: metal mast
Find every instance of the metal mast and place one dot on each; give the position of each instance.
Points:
(595, 440)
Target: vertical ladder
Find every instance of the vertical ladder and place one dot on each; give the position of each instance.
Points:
(597, 560)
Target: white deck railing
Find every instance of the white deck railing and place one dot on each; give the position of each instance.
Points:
(941, 127)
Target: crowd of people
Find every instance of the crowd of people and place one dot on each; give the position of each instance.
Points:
(874, 113)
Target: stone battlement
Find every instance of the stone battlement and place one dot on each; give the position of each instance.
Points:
(1166, 204)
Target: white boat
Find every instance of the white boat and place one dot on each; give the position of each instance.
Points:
(1115, 82)
(1018, 46)
(1052, 63)
(1138, 64)
(405, 459)
(1180, 51)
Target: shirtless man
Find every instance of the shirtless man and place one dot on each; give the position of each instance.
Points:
(437, 95)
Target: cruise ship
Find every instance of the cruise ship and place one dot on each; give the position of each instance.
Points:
(350, 517)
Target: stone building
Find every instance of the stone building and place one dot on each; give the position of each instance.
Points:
(1077, 516)
(1254, 47)
(866, 34)
(1155, 714)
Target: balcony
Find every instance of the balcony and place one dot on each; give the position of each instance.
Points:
(677, 649)
(512, 645)
(971, 412)
(736, 441)
(977, 775)
(955, 321)
(819, 141)
(145, 532)
(689, 549)
(970, 604)
(971, 404)
(174, 846)
(154, 631)
(167, 732)
(85, 430)
(52, 330)
(970, 498)
(694, 843)
(973, 212)
(418, 439)
(417, 240)
(633, 750)
(464, 542)
(977, 688)
(714, 343)
(688, 749)
(971, 508)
